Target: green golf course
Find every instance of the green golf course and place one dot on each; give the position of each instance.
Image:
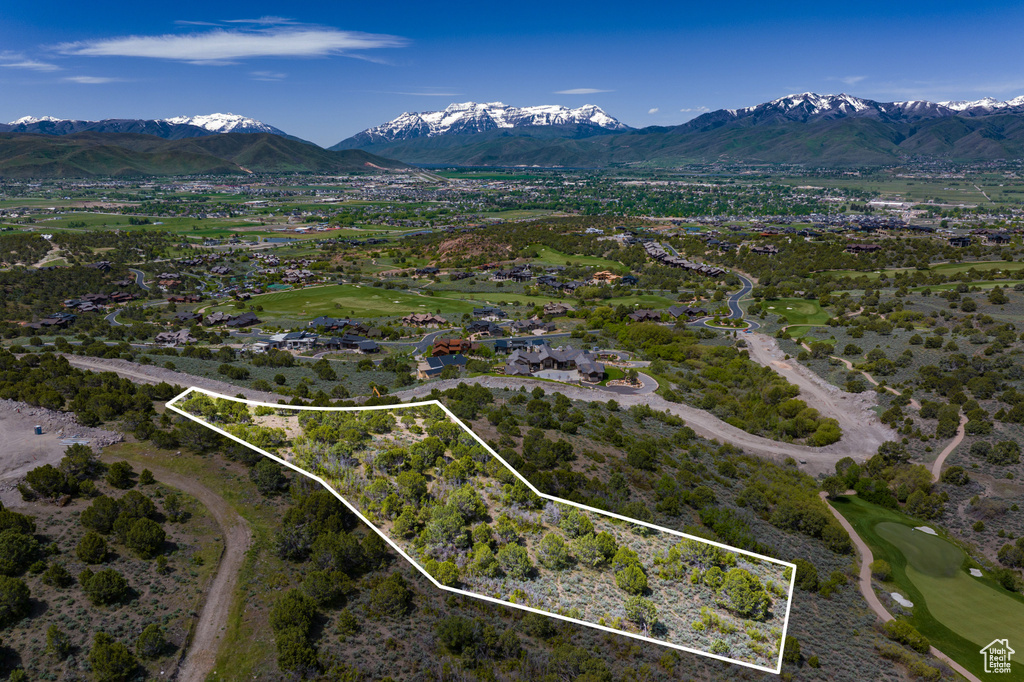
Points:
(958, 612)
(797, 310)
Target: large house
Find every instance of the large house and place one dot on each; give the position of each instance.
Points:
(175, 338)
(604, 277)
(432, 367)
(243, 320)
(528, 362)
(862, 248)
(557, 309)
(424, 320)
(489, 313)
(531, 325)
(451, 346)
(484, 328)
(645, 316)
(678, 311)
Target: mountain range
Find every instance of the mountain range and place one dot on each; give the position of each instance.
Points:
(806, 128)
(123, 154)
(471, 117)
(175, 128)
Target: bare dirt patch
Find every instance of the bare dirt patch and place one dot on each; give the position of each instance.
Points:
(24, 450)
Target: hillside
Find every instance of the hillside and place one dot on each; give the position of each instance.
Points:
(811, 129)
(828, 142)
(25, 155)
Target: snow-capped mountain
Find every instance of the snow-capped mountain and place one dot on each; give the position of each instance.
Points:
(174, 128)
(224, 123)
(810, 107)
(26, 120)
(986, 105)
(474, 117)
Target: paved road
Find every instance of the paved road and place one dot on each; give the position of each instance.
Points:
(735, 311)
(867, 590)
(139, 278)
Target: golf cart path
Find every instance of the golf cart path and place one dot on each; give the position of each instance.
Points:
(849, 365)
(868, 591)
(941, 459)
(202, 649)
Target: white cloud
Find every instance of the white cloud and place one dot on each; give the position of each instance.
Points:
(652, 111)
(267, 75)
(580, 91)
(424, 94)
(697, 110)
(92, 80)
(263, 21)
(849, 80)
(222, 46)
(17, 60)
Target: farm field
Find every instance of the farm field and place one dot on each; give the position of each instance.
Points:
(957, 612)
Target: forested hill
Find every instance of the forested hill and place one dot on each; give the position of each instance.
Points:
(88, 155)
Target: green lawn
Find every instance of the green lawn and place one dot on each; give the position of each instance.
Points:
(797, 310)
(352, 300)
(345, 300)
(799, 330)
(957, 612)
(548, 256)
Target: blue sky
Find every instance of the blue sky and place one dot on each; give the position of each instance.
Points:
(326, 72)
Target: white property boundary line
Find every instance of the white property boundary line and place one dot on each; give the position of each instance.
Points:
(792, 581)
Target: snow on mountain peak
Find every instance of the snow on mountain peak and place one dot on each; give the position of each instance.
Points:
(28, 120)
(474, 117)
(988, 103)
(222, 123)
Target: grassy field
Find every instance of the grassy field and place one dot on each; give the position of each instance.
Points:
(352, 300)
(549, 256)
(797, 310)
(344, 300)
(957, 612)
(800, 330)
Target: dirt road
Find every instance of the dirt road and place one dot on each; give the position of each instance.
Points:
(150, 374)
(868, 591)
(202, 651)
(859, 442)
(853, 411)
(817, 460)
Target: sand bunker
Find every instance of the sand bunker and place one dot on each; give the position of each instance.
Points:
(901, 600)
